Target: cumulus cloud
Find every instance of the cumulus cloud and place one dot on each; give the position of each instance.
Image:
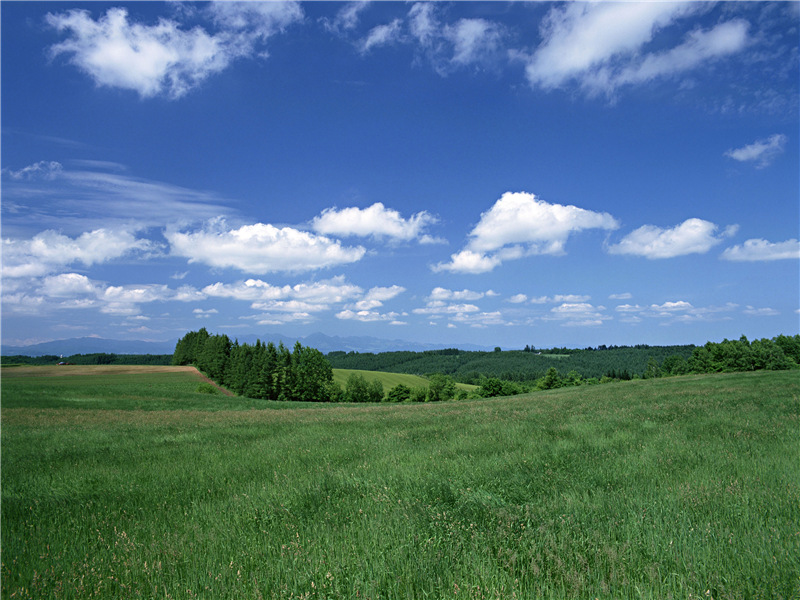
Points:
(334, 290)
(760, 152)
(693, 236)
(300, 302)
(375, 221)
(520, 224)
(165, 58)
(261, 248)
(761, 250)
(468, 261)
(602, 46)
(77, 291)
(50, 250)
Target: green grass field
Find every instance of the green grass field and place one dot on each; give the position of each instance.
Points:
(389, 380)
(125, 485)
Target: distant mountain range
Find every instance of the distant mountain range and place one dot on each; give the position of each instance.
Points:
(320, 341)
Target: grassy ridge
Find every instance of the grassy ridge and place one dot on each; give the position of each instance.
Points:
(683, 487)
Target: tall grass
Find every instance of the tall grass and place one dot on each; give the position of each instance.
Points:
(676, 488)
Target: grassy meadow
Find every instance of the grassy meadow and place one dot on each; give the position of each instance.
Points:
(389, 380)
(136, 485)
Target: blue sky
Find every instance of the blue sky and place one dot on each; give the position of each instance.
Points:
(488, 173)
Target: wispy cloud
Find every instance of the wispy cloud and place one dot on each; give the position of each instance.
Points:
(92, 198)
(760, 152)
(603, 46)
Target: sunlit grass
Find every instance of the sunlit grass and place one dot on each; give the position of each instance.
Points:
(683, 487)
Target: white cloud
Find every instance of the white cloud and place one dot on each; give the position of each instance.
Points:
(578, 314)
(49, 250)
(675, 311)
(423, 24)
(693, 236)
(259, 19)
(79, 200)
(602, 46)
(347, 17)
(68, 285)
(261, 248)
(77, 291)
(761, 312)
(440, 293)
(468, 261)
(438, 307)
(479, 319)
(521, 218)
(150, 60)
(369, 316)
(472, 39)
(44, 169)
(313, 296)
(630, 308)
(376, 296)
(164, 58)
(382, 35)
(622, 296)
(759, 250)
(700, 46)
(519, 224)
(518, 299)
(301, 301)
(375, 221)
(760, 152)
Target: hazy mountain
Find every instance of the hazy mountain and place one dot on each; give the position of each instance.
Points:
(320, 341)
(90, 345)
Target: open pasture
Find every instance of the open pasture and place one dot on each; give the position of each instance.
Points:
(667, 488)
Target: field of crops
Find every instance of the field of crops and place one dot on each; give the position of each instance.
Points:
(138, 485)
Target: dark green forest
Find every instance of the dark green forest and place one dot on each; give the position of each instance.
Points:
(611, 362)
(97, 358)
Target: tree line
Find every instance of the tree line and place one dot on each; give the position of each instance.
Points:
(271, 372)
(94, 358)
(305, 374)
(262, 371)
